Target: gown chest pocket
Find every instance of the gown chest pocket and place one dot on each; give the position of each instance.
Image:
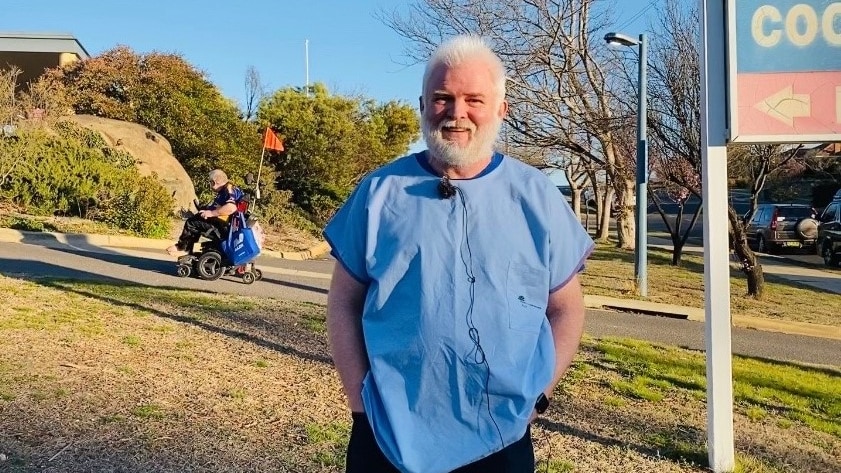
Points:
(527, 291)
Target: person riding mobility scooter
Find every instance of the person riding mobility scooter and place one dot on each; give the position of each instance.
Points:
(231, 246)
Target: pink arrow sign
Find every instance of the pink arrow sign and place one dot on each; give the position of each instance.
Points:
(789, 103)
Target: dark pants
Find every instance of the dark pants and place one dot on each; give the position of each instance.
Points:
(195, 227)
(364, 456)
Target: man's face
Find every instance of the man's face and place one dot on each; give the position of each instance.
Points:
(462, 113)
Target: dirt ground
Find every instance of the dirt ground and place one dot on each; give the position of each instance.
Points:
(139, 379)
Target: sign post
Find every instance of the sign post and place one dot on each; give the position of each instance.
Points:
(717, 336)
(770, 73)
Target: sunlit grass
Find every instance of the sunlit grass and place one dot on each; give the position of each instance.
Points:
(610, 272)
(650, 372)
(329, 442)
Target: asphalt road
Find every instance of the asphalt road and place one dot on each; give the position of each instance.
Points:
(309, 281)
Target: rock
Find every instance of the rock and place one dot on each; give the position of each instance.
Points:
(151, 155)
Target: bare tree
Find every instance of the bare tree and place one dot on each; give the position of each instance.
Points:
(558, 90)
(254, 92)
(756, 163)
(675, 120)
(675, 125)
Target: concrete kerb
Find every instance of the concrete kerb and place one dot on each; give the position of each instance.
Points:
(123, 241)
(698, 315)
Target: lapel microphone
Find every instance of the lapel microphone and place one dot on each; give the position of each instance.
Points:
(446, 189)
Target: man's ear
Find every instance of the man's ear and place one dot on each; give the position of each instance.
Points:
(503, 109)
(420, 103)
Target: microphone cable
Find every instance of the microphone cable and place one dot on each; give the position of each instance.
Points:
(477, 353)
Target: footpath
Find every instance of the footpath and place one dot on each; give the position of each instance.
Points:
(799, 274)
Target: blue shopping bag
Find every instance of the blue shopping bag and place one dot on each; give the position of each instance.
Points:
(241, 246)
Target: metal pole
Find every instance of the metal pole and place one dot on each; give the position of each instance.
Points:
(307, 65)
(641, 262)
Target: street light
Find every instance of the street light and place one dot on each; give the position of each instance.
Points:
(641, 260)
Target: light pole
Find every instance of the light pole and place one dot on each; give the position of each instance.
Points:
(641, 260)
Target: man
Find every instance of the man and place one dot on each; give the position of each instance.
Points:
(215, 216)
(455, 306)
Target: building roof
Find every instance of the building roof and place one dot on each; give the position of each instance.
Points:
(42, 43)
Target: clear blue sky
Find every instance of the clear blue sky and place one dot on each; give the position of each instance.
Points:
(350, 50)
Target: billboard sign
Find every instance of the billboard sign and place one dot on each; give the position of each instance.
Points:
(784, 71)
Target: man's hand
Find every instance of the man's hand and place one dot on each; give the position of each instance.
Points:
(205, 214)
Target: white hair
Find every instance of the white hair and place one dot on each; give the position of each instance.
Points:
(463, 48)
(218, 176)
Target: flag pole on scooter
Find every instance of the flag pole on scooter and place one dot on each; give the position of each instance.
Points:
(271, 142)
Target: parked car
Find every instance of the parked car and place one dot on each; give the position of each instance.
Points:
(829, 232)
(776, 226)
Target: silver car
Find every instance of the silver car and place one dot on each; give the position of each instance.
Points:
(773, 227)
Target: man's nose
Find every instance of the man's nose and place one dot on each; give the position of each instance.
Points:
(458, 109)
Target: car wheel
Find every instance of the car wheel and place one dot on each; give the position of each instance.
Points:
(829, 257)
(209, 266)
(761, 246)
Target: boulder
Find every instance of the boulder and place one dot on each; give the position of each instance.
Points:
(152, 154)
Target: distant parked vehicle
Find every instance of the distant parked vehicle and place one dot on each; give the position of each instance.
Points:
(776, 226)
(829, 232)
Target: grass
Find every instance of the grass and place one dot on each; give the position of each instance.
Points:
(244, 383)
(57, 224)
(649, 372)
(610, 272)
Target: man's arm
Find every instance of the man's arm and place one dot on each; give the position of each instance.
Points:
(566, 316)
(344, 330)
(222, 211)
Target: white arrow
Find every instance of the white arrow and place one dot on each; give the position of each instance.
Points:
(785, 106)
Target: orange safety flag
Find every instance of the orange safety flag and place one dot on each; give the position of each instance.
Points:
(271, 141)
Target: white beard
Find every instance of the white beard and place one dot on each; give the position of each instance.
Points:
(480, 147)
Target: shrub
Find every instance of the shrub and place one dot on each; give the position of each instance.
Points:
(69, 171)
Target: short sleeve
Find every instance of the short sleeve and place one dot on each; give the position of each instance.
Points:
(569, 244)
(346, 233)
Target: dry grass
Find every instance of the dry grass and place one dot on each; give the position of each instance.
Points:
(95, 377)
(610, 272)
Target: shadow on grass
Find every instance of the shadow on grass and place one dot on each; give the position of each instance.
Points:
(680, 444)
(281, 334)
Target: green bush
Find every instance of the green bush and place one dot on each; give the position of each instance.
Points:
(69, 171)
(137, 207)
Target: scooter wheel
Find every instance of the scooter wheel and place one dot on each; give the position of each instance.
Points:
(258, 274)
(248, 277)
(183, 270)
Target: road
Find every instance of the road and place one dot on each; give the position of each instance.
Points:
(309, 281)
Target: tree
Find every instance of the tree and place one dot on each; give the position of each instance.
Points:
(332, 141)
(558, 90)
(675, 120)
(171, 97)
(254, 92)
(755, 164)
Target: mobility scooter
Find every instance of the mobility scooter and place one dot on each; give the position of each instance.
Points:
(222, 252)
